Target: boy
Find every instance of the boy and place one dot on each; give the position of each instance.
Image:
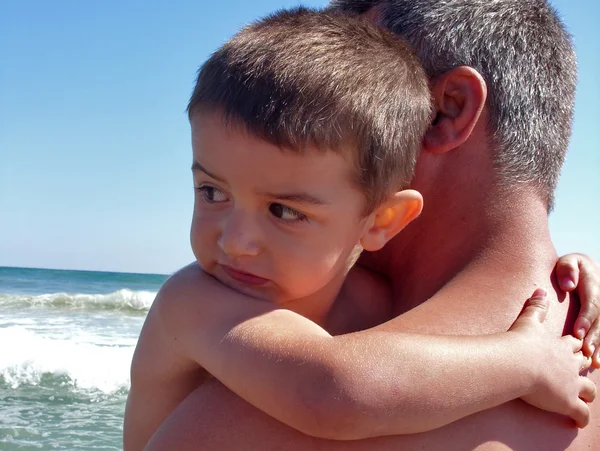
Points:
(303, 143)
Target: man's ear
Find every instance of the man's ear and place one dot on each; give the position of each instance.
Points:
(459, 97)
(390, 218)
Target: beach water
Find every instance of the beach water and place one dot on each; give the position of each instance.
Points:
(66, 342)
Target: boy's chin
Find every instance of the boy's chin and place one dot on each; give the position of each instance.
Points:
(264, 293)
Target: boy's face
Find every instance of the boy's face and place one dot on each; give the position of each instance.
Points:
(269, 223)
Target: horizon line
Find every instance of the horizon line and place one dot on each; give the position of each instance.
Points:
(87, 270)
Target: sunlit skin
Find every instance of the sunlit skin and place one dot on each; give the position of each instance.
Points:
(269, 223)
(248, 224)
(484, 250)
(462, 268)
(272, 223)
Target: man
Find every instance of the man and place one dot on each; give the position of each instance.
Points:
(502, 79)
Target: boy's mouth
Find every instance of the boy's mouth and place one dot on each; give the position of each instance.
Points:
(244, 277)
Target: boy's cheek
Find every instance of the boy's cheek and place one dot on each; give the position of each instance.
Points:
(196, 243)
(203, 238)
(305, 264)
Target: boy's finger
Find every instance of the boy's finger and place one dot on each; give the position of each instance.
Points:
(581, 414)
(588, 290)
(592, 339)
(596, 358)
(588, 390)
(567, 272)
(590, 307)
(584, 362)
(573, 342)
(536, 307)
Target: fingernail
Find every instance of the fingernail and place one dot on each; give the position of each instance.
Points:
(592, 349)
(539, 293)
(568, 283)
(581, 333)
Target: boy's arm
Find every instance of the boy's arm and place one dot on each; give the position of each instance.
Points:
(341, 388)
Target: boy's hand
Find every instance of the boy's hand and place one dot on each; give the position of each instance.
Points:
(560, 388)
(580, 273)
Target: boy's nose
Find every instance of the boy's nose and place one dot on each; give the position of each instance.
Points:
(240, 236)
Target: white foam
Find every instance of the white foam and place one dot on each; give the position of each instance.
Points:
(121, 299)
(26, 356)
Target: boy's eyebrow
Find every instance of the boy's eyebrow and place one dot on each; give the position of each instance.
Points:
(198, 167)
(300, 198)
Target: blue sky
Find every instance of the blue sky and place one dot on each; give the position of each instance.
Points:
(94, 141)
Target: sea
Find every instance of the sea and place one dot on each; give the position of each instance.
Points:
(66, 343)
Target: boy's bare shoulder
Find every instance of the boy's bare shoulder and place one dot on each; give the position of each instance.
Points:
(171, 301)
(160, 346)
(179, 296)
(162, 374)
(187, 285)
(188, 278)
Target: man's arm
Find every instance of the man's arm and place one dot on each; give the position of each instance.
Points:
(296, 372)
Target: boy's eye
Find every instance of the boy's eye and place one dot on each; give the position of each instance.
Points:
(286, 213)
(211, 195)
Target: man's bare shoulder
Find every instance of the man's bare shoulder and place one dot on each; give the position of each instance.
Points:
(364, 301)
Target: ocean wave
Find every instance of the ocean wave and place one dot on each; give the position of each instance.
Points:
(118, 300)
(36, 360)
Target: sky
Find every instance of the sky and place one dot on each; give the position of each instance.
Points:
(95, 145)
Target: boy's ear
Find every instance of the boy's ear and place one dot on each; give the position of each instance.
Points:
(390, 218)
(459, 96)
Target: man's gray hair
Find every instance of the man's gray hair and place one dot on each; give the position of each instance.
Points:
(525, 55)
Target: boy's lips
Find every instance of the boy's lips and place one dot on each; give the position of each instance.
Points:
(244, 277)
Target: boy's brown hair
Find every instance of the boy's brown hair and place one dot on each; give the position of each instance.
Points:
(303, 78)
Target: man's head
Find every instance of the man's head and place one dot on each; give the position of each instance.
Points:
(305, 129)
(524, 54)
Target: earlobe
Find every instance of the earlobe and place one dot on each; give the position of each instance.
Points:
(459, 97)
(390, 218)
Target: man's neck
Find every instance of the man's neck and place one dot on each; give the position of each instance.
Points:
(510, 238)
